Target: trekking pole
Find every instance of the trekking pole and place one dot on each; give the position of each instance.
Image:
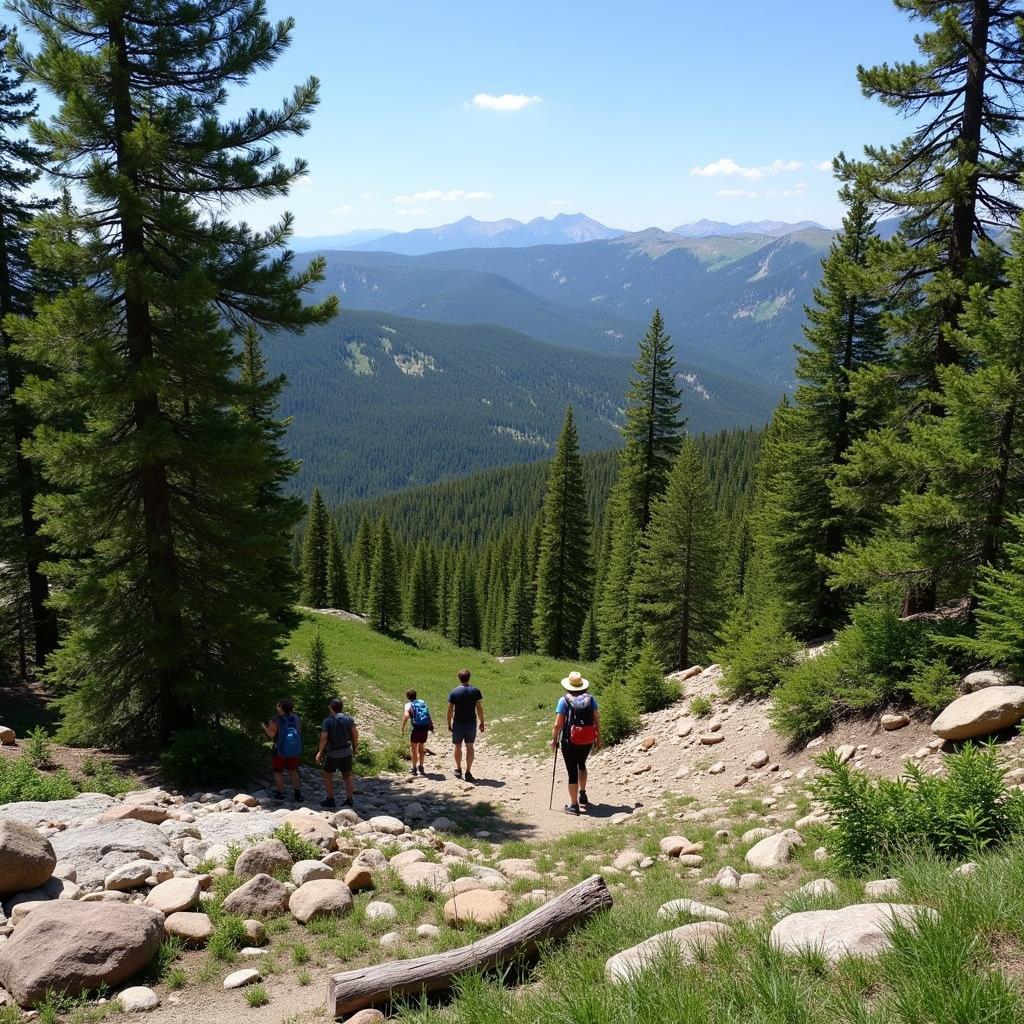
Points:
(554, 766)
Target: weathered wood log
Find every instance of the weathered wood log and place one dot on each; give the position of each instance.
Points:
(384, 983)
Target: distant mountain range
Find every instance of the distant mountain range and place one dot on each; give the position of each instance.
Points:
(562, 229)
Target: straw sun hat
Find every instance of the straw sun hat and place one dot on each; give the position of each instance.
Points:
(575, 683)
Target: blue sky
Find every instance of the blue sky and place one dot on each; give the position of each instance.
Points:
(626, 100)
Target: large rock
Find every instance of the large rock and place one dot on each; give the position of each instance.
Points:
(861, 930)
(981, 713)
(358, 878)
(136, 812)
(132, 875)
(27, 859)
(7, 737)
(70, 947)
(388, 824)
(261, 896)
(322, 898)
(309, 871)
(174, 895)
(95, 850)
(313, 828)
(480, 906)
(987, 677)
(194, 928)
(691, 908)
(685, 942)
(424, 876)
(774, 851)
(264, 858)
(231, 827)
(407, 857)
(68, 812)
(138, 999)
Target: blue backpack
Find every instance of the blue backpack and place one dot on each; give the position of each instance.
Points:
(289, 741)
(420, 714)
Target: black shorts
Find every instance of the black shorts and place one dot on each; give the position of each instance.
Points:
(338, 764)
(575, 758)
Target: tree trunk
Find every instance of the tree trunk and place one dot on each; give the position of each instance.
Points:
(161, 581)
(397, 979)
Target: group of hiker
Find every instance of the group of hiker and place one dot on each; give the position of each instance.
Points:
(576, 732)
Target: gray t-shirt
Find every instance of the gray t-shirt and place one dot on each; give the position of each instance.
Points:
(339, 734)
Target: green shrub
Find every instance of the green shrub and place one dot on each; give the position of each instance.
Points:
(21, 780)
(211, 757)
(619, 717)
(876, 660)
(298, 848)
(39, 748)
(878, 822)
(370, 760)
(256, 996)
(701, 707)
(756, 651)
(103, 777)
(646, 684)
(163, 959)
(228, 937)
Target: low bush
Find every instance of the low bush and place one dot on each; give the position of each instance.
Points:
(700, 707)
(211, 757)
(878, 822)
(227, 939)
(21, 780)
(102, 777)
(39, 748)
(619, 716)
(256, 996)
(371, 760)
(298, 848)
(876, 660)
(756, 651)
(646, 684)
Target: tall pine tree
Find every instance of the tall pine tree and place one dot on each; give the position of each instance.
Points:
(337, 574)
(359, 568)
(161, 548)
(384, 592)
(563, 568)
(422, 604)
(315, 543)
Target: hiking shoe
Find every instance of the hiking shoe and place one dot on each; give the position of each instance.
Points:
(572, 809)
(458, 773)
(583, 799)
(346, 803)
(414, 770)
(298, 794)
(331, 802)
(423, 771)
(278, 794)
(470, 777)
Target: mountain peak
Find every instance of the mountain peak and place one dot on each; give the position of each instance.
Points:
(705, 228)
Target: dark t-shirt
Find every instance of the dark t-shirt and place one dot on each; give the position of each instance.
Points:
(283, 721)
(465, 700)
(339, 734)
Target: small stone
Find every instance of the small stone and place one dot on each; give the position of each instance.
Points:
(366, 1017)
(254, 931)
(819, 888)
(138, 999)
(239, 979)
(428, 931)
(717, 768)
(758, 759)
(174, 895)
(892, 722)
(358, 878)
(648, 742)
(882, 887)
(481, 906)
(194, 928)
(378, 910)
(390, 939)
(966, 869)
(309, 871)
(709, 739)
(845, 751)
(691, 908)
(820, 854)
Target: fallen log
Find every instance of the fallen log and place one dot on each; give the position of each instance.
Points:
(387, 982)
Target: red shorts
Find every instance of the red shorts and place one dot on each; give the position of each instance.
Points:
(279, 764)
(419, 735)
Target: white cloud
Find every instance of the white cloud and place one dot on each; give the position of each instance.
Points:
(410, 213)
(735, 193)
(343, 209)
(825, 165)
(726, 167)
(506, 102)
(436, 195)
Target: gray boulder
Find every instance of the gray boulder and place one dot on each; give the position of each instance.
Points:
(96, 850)
(862, 930)
(261, 896)
(27, 859)
(264, 858)
(981, 713)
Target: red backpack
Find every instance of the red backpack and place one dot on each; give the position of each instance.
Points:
(579, 719)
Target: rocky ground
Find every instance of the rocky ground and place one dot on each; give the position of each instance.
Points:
(715, 805)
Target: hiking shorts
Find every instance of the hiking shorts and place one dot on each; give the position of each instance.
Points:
(279, 764)
(575, 758)
(338, 764)
(419, 735)
(464, 733)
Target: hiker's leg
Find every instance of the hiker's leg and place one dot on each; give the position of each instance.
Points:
(420, 753)
(294, 776)
(457, 749)
(572, 770)
(329, 784)
(279, 781)
(582, 775)
(469, 757)
(349, 785)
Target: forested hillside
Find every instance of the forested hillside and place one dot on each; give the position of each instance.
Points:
(379, 402)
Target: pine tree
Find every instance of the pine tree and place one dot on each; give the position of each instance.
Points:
(590, 648)
(646, 686)
(563, 569)
(964, 464)
(422, 605)
(314, 554)
(464, 609)
(517, 637)
(160, 547)
(337, 574)
(384, 593)
(24, 548)
(947, 181)
(652, 438)
(318, 686)
(678, 584)
(796, 520)
(359, 570)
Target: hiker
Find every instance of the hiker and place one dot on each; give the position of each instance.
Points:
(418, 714)
(578, 730)
(465, 710)
(339, 741)
(285, 729)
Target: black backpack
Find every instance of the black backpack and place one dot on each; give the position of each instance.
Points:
(579, 729)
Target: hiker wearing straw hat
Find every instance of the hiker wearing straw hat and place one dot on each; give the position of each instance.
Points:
(578, 731)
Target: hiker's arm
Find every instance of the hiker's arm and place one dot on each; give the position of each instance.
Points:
(480, 715)
(405, 718)
(355, 739)
(597, 726)
(451, 712)
(322, 747)
(557, 731)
